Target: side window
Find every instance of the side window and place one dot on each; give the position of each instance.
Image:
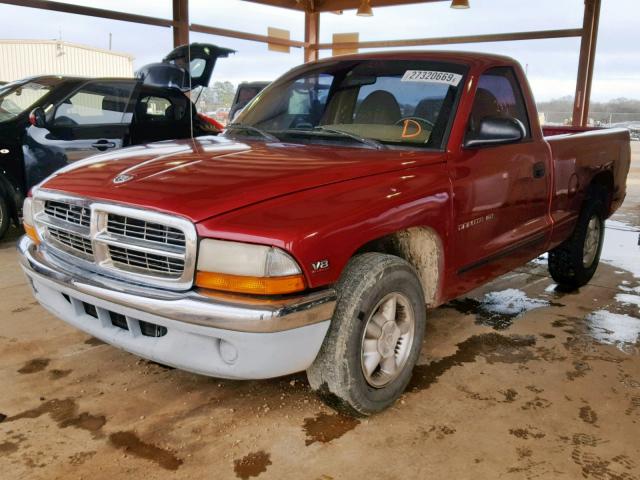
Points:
(196, 67)
(96, 104)
(21, 98)
(158, 109)
(498, 95)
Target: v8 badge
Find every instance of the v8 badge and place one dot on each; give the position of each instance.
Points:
(320, 265)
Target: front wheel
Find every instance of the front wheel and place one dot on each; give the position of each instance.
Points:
(375, 336)
(573, 263)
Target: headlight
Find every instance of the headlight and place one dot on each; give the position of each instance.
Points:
(247, 268)
(27, 211)
(27, 220)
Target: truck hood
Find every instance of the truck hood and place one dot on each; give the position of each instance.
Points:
(213, 175)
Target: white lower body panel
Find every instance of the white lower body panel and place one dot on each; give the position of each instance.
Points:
(195, 348)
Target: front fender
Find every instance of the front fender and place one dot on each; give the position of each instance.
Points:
(324, 227)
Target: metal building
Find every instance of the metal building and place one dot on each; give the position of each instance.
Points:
(24, 58)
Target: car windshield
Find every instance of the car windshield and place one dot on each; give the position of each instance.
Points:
(373, 103)
(18, 97)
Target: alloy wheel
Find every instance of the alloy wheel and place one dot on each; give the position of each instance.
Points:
(387, 340)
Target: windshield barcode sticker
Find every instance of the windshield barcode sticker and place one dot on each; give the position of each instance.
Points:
(432, 77)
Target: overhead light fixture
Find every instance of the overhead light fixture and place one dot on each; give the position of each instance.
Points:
(459, 3)
(364, 10)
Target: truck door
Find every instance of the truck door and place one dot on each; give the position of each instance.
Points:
(501, 192)
(92, 119)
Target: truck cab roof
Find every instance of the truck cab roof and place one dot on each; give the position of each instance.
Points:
(444, 55)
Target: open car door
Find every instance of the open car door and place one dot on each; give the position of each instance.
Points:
(186, 67)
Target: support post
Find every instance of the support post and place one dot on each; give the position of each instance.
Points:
(180, 22)
(586, 64)
(311, 36)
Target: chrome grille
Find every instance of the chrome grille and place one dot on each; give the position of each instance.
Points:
(143, 230)
(70, 213)
(72, 240)
(146, 246)
(146, 261)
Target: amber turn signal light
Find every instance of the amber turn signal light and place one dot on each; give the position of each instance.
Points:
(255, 285)
(31, 233)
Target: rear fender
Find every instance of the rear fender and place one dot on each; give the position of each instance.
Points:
(602, 183)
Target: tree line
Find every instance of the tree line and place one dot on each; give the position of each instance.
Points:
(622, 111)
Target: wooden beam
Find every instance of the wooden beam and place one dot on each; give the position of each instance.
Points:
(90, 12)
(335, 5)
(583, 63)
(253, 37)
(290, 4)
(311, 36)
(586, 63)
(180, 22)
(592, 62)
(312, 6)
(495, 37)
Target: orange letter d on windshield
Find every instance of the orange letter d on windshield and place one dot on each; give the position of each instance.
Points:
(405, 128)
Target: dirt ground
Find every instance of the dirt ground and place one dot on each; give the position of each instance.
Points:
(516, 380)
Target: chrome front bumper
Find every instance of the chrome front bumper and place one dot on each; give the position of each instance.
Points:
(218, 310)
(213, 334)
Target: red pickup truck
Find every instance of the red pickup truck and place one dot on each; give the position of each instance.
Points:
(351, 195)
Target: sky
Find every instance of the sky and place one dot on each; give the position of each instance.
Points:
(551, 64)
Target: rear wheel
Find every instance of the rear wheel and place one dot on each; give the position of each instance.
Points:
(375, 336)
(5, 217)
(573, 263)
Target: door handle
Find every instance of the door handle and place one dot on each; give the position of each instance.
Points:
(539, 170)
(103, 145)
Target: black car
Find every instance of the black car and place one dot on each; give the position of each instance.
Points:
(47, 122)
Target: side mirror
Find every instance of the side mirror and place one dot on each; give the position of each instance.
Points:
(37, 117)
(496, 131)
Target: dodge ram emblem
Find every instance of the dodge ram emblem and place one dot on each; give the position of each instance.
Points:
(122, 178)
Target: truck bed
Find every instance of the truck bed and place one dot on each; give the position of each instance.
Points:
(553, 130)
(579, 154)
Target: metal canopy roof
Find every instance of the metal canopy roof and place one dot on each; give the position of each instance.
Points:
(181, 25)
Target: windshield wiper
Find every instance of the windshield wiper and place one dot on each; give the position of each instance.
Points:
(251, 128)
(364, 140)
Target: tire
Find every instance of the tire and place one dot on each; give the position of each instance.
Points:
(570, 265)
(363, 325)
(5, 217)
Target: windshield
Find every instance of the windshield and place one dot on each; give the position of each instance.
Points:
(370, 102)
(16, 98)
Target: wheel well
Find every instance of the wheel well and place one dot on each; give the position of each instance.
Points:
(422, 248)
(10, 203)
(4, 196)
(602, 183)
